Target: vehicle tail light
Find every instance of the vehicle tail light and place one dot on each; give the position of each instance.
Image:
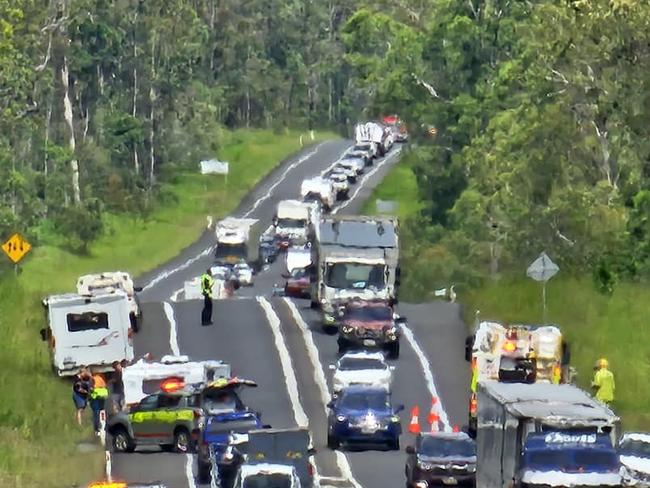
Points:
(130, 333)
(473, 404)
(310, 469)
(172, 384)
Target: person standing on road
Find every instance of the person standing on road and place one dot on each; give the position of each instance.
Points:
(207, 283)
(81, 391)
(604, 382)
(117, 388)
(98, 396)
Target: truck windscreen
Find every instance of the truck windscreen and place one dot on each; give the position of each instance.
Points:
(231, 250)
(268, 480)
(291, 223)
(355, 275)
(570, 460)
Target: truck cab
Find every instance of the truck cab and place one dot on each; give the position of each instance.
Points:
(319, 190)
(88, 331)
(292, 221)
(238, 240)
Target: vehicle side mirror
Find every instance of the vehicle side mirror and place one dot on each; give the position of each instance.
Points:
(267, 426)
(410, 450)
(330, 404)
(401, 320)
(469, 344)
(44, 335)
(332, 367)
(45, 303)
(286, 276)
(137, 289)
(399, 408)
(312, 451)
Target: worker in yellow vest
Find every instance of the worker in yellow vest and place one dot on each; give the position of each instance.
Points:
(603, 382)
(207, 282)
(98, 396)
(474, 383)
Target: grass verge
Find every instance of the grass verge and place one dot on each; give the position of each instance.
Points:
(596, 325)
(37, 428)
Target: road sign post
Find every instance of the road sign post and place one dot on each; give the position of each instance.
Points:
(542, 270)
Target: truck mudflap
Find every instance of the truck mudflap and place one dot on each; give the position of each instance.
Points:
(532, 479)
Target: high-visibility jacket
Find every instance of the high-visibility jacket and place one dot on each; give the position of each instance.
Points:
(604, 382)
(474, 383)
(557, 374)
(100, 389)
(206, 284)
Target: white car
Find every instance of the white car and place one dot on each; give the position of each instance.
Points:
(222, 273)
(356, 164)
(243, 273)
(634, 453)
(340, 183)
(361, 368)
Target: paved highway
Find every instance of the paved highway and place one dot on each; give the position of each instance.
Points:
(278, 343)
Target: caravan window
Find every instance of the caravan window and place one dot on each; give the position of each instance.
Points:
(78, 322)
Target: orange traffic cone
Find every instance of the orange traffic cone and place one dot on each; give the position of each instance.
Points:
(433, 412)
(434, 420)
(414, 424)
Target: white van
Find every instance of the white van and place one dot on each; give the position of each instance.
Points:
(88, 331)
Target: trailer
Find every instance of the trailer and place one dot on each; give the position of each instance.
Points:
(534, 435)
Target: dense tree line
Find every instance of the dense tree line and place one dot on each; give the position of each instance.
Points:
(100, 99)
(542, 117)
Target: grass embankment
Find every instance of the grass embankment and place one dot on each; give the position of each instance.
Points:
(38, 435)
(615, 327)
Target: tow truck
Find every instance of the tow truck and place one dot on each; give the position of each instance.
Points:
(516, 354)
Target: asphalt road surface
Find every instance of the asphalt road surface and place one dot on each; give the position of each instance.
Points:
(279, 343)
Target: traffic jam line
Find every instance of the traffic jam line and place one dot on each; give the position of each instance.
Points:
(319, 377)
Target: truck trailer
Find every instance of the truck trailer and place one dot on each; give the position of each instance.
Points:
(544, 435)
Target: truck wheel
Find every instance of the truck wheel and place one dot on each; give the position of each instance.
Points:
(122, 441)
(393, 350)
(205, 473)
(182, 441)
(332, 442)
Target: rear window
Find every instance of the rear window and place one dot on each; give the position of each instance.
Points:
(238, 426)
(79, 322)
(275, 480)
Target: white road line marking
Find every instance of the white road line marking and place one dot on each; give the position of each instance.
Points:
(109, 466)
(285, 360)
(321, 382)
(377, 167)
(189, 262)
(428, 376)
(293, 165)
(174, 297)
(189, 461)
(173, 336)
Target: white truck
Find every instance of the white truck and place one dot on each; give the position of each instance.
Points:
(106, 282)
(354, 257)
(318, 190)
(238, 240)
(376, 134)
(292, 220)
(88, 331)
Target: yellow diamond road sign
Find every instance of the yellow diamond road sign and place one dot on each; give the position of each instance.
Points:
(16, 247)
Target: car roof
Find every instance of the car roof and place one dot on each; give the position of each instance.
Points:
(447, 435)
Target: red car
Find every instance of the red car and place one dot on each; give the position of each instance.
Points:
(298, 284)
(369, 324)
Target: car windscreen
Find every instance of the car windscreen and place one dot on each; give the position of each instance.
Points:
(441, 447)
(630, 447)
(299, 273)
(291, 223)
(238, 426)
(355, 275)
(268, 480)
(372, 400)
(369, 313)
(221, 401)
(351, 364)
(79, 322)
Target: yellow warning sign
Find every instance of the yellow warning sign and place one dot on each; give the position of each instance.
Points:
(16, 247)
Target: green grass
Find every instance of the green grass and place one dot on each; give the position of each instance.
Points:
(596, 325)
(399, 186)
(37, 429)
(615, 327)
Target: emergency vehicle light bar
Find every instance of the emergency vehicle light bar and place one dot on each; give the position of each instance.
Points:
(174, 383)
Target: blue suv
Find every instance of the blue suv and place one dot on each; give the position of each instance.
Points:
(363, 415)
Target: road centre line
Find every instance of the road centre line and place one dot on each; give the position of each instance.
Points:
(173, 334)
(321, 382)
(285, 360)
(428, 376)
(361, 185)
(293, 165)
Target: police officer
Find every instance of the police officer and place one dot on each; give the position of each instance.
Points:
(206, 289)
(604, 382)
